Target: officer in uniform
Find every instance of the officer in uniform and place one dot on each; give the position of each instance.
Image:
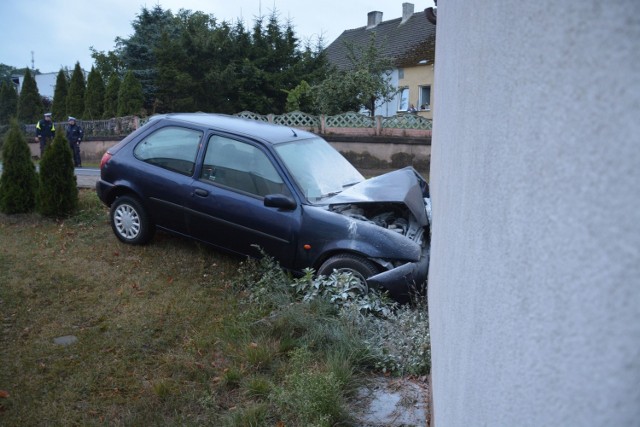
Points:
(74, 136)
(45, 132)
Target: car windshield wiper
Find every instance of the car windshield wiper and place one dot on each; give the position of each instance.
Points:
(351, 184)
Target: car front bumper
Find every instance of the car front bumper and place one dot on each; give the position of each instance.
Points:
(404, 280)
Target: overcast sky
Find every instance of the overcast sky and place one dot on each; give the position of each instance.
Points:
(60, 32)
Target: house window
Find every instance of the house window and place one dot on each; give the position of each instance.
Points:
(425, 97)
(403, 102)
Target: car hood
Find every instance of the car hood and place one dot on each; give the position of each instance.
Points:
(401, 186)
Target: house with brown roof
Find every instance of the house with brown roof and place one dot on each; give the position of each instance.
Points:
(410, 43)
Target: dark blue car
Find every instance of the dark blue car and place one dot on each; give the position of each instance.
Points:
(240, 185)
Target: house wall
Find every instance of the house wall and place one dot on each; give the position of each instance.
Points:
(414, 77)
(534, 289)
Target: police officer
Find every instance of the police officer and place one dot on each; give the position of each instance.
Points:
(74, 136)
(45, 132)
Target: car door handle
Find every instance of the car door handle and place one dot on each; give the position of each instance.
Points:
(200, 192)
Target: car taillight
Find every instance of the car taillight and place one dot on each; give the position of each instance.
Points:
(105, 158)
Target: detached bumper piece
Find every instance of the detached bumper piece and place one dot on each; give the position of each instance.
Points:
(405, 279)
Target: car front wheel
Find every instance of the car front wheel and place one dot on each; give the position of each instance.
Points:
(130, 221)
(360, 267)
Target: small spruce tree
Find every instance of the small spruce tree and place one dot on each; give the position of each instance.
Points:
(58, 190)
(30, 108)
(111, 97)
(94, 97)
(130, 96)
(75, 95)
(19, 181)
(59, 107)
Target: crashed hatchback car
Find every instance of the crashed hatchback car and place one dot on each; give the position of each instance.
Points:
(243, 185)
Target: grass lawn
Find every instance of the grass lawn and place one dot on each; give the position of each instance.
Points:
(165, 334)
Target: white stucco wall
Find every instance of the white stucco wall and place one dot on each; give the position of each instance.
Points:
(534, 284)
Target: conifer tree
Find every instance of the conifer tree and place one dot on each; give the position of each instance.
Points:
(30, 108)
(57, 194)
(59, 107)
(94, 98)
(111, 97)
(8, 102)
(130, 96)
(19, 180)
(75, 96)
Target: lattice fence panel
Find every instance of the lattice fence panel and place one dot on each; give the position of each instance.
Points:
(406, 121)
(350, 120)
(297, 119)
(253, 116)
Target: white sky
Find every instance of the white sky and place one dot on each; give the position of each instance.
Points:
(60, 32)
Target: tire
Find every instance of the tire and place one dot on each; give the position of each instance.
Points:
(360, 267)
(130, 221)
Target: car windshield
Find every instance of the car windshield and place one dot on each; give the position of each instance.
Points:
(319, 170)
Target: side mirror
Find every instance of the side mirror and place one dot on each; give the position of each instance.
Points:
(279, 201)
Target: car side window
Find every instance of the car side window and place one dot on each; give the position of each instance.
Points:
(172, 148)
(241, 166)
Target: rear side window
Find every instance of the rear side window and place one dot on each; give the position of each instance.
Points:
(172, 148)
(241, 166)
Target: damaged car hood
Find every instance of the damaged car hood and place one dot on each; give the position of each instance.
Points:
(401, 186)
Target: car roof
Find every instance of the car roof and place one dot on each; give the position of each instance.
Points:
(267, 132)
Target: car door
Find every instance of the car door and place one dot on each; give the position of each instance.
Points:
(226, 206)
(168, 159)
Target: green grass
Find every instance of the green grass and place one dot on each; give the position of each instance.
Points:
(165, 336)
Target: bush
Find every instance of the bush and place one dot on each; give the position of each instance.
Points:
(19, 180)
(58, 191)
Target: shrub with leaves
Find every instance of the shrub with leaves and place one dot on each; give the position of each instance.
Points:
(344, 291)
(396, 337)
(19, 180)
(58, 191)
(399, 343)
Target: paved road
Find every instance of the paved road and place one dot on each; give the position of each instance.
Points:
(86, 177)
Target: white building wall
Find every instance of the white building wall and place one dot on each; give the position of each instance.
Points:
(534, 284)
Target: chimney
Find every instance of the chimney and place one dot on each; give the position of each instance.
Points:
(373, 19)
(407, 11)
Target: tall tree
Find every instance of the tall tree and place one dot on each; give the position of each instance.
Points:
(19, 181)
(111, 97)
(138, 52)
(94, 98)
(364, 85)
(130, 96)
(59, 107)
(30, 107)
(8, 102)
(75, 96)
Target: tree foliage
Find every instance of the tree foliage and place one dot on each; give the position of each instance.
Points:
(57, 194)
(130, 96)
(75, 96)
(59, 107)
(111, 97)
(192, 62)
(19, 181)
(94, 97)
(363, 85)
(8, 102)
(30, 108)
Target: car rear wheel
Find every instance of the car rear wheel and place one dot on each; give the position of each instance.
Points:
(360, 267)
(130, 221)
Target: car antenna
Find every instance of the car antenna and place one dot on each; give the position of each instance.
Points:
(294, 133)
